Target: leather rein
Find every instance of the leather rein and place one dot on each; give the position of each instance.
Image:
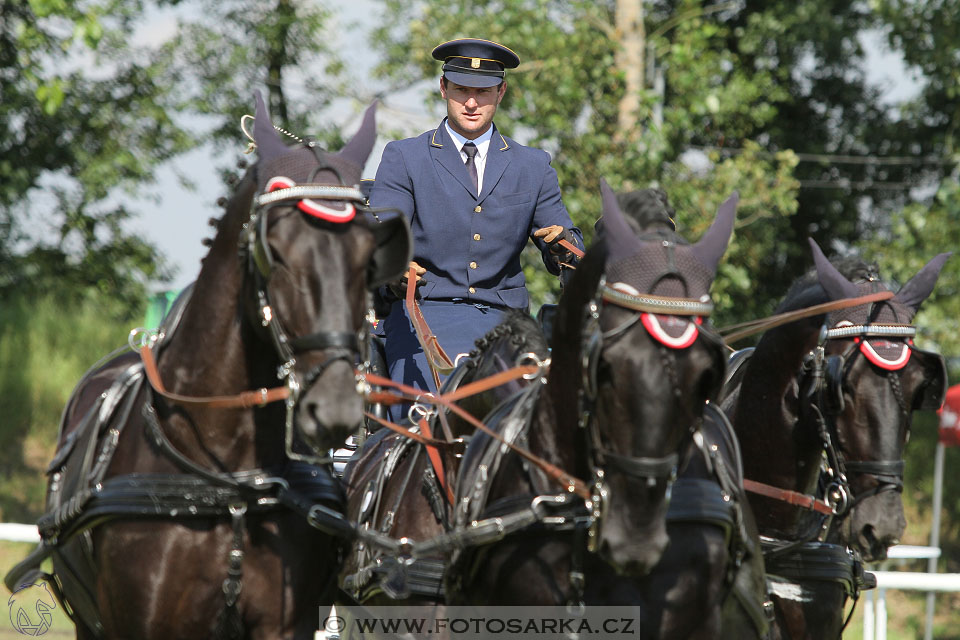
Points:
(838, 494)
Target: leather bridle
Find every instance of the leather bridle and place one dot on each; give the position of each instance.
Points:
(335, 345)
(255, 252)
(827, 374)
(603, 460)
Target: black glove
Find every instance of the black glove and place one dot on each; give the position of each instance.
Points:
(560, 253)
(399, 288)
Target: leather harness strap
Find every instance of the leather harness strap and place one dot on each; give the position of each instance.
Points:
(790, 497)
(572, 248)
(244, 400)
(566, 480)
(438, 359)
(412, 435)
(736, 332)
(434, 454)
(490, 382)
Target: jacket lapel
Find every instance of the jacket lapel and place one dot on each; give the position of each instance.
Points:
(444, 153)
(498, 158)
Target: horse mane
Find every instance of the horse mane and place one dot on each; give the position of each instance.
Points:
(521, 332)
(236, 213)
(568, 331)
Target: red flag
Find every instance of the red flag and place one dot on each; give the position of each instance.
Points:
(950, 418)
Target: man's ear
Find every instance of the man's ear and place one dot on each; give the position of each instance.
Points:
(503, 90)
(443, 88)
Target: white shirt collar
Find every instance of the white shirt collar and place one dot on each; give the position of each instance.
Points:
(483, 142)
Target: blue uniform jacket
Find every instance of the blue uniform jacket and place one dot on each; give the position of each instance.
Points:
(470, 245)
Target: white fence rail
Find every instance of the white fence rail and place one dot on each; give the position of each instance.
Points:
(19, 532)
(875, 604)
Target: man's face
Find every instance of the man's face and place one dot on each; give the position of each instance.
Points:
(470, 109)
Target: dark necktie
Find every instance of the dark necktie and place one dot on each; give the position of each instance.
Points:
(471, 150)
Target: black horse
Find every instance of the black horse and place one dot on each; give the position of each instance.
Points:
(631, 367)
(399, 487)
(832, 392)
(179, 500)
(713, 564)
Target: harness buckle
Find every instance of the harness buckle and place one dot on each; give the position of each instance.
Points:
(140, 337)
(599, 495)
(837, 497)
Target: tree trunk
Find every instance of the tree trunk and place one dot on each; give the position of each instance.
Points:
(631, 36)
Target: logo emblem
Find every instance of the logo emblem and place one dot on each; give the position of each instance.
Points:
(475, 63)
(30, 608)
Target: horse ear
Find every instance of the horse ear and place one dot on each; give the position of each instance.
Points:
(833, 282)
(268, 142)
(619, 237)
(713, 244)
(393, 252)
(921, 285)
(358, 149)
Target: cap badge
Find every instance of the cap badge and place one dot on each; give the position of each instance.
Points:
(475, 63)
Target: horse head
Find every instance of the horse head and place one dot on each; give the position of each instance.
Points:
(648, 361)
(873, 378)
(314, 254)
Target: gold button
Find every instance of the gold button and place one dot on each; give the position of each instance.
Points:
(472, 290)
(473, 265)
(476, 236)
(476, 209)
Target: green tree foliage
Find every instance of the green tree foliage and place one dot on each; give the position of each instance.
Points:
(82, 115)
(226, 49)
(875, 176)
(566, 95)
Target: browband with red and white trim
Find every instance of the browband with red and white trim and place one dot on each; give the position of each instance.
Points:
(281, 188)
(895, 354)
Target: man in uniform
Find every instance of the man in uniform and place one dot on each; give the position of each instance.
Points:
(473, 198)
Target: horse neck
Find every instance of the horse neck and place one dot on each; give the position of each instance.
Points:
(210, 347)
(556, 434)
(215, 347)
(779, 447)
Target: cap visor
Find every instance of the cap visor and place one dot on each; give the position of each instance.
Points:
(476, 80)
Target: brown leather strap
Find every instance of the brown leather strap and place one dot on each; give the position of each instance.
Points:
(407, 433)
(558, 475)
(744, 329)
(437, 358)
(244, 400)
(434, 454)
(490, 382)
(467, 390)
(572, 248)
(790, 497)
